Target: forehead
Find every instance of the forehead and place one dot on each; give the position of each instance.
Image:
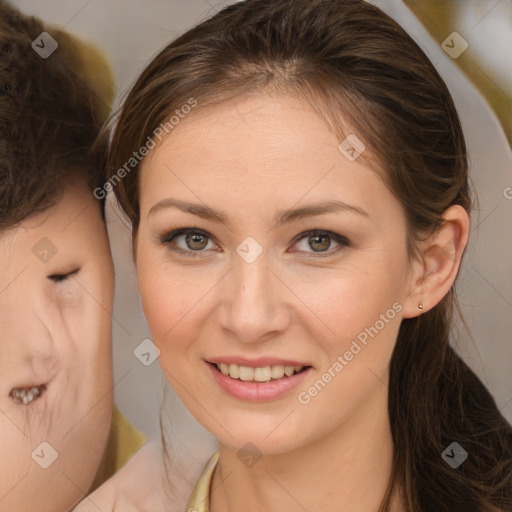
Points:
(75, 217)
(258, 151)
(257, 129)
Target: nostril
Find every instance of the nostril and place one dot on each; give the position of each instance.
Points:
(28, 394)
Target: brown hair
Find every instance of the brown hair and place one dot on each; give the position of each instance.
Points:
(50, 116)
(356, 64)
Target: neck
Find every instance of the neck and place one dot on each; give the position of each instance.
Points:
(348, 469)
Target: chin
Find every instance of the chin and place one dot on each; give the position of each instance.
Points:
(266, 437)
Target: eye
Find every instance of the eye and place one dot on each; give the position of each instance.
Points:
(320, 242)
(187, 240)
(192, 241)
(58, 278)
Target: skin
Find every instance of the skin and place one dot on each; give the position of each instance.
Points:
(59, 334)
(251, 158)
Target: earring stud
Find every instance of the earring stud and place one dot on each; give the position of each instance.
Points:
(420, 306)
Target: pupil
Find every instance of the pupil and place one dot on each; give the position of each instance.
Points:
(196, 241)
(317, 239)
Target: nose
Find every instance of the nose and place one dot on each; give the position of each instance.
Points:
(254, 306)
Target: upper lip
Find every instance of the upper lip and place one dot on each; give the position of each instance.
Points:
(260, 362)
(46, 371)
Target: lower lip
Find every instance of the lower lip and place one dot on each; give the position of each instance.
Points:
(257, 391)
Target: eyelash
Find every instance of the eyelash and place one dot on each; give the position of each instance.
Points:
(169, 237)
(58, 278)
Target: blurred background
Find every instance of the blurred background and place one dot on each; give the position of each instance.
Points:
(470, 43)
(486, 26)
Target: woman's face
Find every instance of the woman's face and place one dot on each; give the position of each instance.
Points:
(268, 280)
(56, 292)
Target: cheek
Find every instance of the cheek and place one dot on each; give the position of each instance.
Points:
(363, 319)
(80, 326)
(167, 302)
(66, 310)
(343, 303)
(16, 459)
(359, 308)
(173, 298)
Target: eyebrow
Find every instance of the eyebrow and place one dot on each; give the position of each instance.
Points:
(282, 216)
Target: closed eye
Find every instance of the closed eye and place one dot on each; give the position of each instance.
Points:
(58, 278)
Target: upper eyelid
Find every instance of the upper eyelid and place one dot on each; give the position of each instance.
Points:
(174, 233)
(61, 276)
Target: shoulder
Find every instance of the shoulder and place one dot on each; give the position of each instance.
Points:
(142, 484)
(137, 486)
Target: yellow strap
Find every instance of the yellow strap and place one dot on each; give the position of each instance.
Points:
(199, 500)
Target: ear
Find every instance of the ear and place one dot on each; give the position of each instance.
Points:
(434, 273)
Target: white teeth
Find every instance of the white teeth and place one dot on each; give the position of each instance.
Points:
(260, 374)
(26, 395)
(234, 371)
(289, 370)
(246, 373)
(277, 371)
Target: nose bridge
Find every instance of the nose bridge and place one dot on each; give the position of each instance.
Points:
(253, 305)
(252, 279)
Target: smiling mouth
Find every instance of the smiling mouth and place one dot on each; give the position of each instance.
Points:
(27, 395)
(259, 374)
